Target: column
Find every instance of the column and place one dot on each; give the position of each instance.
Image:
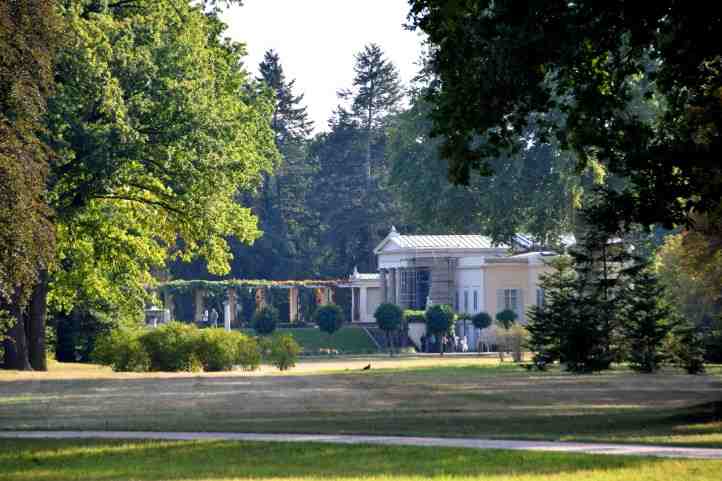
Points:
(392, 286)
(198, 295)
(231, 294)
(363, 305)
(353, 304)
(293, 305)
(397, 287)
(169, 303)
(227, 316)
(384, 287)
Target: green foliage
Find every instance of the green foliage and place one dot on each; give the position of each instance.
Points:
(156, 132)
(217, 349)
(248, 352)
(265, 320)
(389, 317)
(29, 36)
(481, 320)
(172, 347)
(686, 347)
(439, 319)
(76, 333)
(329, 318)
(122, 350)
(533, 191)
(646, 321)
(176, 347)
(570, 326)
(415, 317)
(506, 318)
(283, 351)
(638, 89)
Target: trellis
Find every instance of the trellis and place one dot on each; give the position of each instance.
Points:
(323, 291)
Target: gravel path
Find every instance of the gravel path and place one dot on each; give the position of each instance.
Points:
(563, 447)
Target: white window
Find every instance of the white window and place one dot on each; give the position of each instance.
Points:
(540, 296)
(466, 301)
(476, 301)
(511, 299)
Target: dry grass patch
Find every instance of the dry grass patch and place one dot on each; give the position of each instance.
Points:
(419, 396)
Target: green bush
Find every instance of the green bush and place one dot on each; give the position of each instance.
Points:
(122, 351)
(388, 317)
(329, 318)
(283, 351)
(248, 353)
(686, 347)
(506, 318)
(265, 320)
(482, 320)
(440, 321)
(216, 349)
(172, 347)
(414, 317)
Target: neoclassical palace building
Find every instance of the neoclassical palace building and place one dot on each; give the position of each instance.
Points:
(468, 272)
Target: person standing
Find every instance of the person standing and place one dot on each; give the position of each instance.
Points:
(214, 317)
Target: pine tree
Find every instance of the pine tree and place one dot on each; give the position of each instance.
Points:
(376, 95)
(646, 321)
(547, 321)
(288, 222)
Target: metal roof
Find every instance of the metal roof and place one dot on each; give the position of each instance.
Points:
(444, 242)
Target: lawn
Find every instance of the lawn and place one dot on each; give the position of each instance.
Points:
(347, 340)
(418, 396)
(213, 460)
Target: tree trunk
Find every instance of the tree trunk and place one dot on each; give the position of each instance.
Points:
(15, 343)
(37, 310)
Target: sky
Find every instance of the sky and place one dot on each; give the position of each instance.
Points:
(317, 40)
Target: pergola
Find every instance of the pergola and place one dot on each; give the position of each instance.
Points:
(323, 293)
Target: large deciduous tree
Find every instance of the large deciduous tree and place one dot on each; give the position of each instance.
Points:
(29, 30)
(502, 63)
(155, 129)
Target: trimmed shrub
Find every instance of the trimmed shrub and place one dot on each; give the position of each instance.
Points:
(265, 320)
(329, 318)
(388, 317)
(248, 352)
(482, 320)
(122, 351)
(283, 351)
(440, 321)
(506, 318)
(172, 347)
(414, 317)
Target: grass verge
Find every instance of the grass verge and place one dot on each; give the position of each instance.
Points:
(60, 460)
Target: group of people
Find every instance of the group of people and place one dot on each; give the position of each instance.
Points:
(450, 343)
(210, 319)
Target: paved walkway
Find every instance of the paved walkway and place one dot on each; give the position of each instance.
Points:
(564, 447)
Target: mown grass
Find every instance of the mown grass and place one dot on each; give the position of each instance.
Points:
(408, 397)
(60, 460)
(348, 340)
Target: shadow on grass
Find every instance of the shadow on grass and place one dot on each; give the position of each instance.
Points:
(144, 461)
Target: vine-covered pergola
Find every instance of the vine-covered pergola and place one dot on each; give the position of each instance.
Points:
(323, 293)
